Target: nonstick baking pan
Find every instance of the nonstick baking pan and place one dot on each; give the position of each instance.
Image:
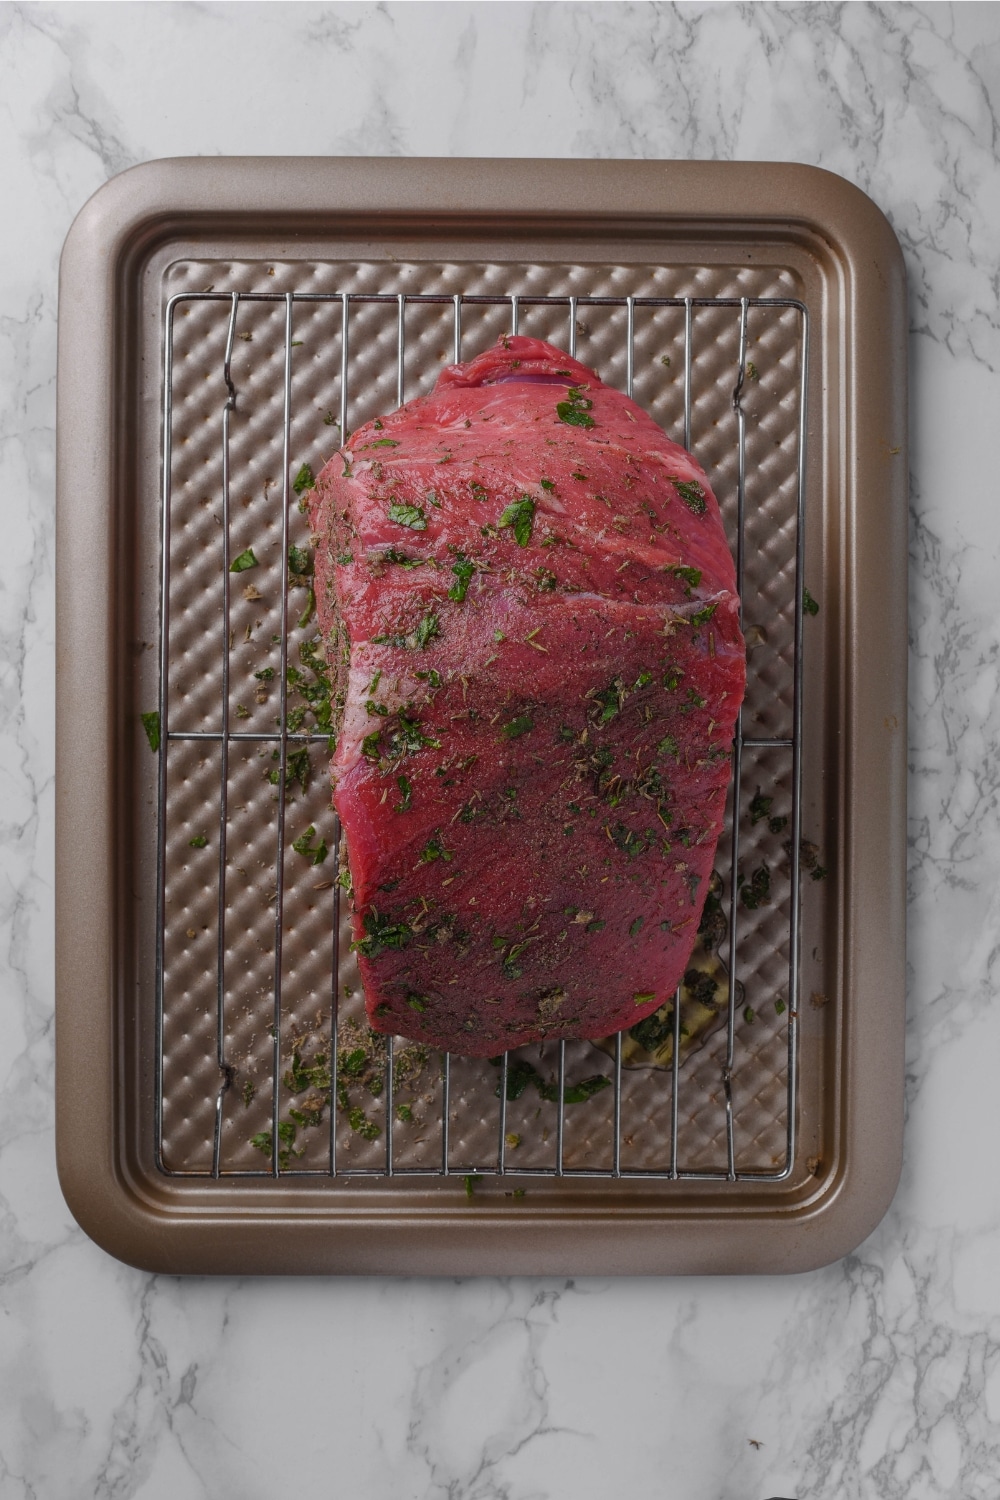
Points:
(221, 1106)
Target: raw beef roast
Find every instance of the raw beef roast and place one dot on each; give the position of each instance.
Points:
(531, 614)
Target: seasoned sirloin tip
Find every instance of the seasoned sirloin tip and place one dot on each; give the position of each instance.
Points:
(530, 613)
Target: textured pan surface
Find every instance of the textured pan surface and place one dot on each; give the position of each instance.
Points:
(191, 1075)
(683, 253)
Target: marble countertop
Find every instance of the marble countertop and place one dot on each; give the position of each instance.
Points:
(875, 1379)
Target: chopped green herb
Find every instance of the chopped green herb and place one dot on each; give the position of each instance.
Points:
(470, 1179)
(777, 825)
(393, 555)
(404, 1113)
(198, 842)
(521, 1075)
(407, 790)
(779, 1007)
(748, 1014)
(360, 1123)
(265, 674)
(691, 492)
(644, 997)
(703, 615)
(630, 842)
(596, 926)
(478, 490)
(417, 641)
(690, 576)
(417, 1003)
(521, 725)
(427, 630)
(151, 724)
(381, 933)
(408, 515)
(247, 1092)
(654, 1030)
(752, 373)
(304, 480)
(369, 746)
(672, 679)
(300, 565)
(611, 700)
(317, 691)
(383, 443)
(308, 612)
(286, 1137)
(243, 562)
(809, 603)
(577, 475)
(579, 1093)
(301, 1076)
(760, 806)
(521, 516)
(574, 411)
(636, 926)
(665, 361)
(434, 849)
(546, 580)
(408, 737)
(547, 484)
(701, 987)
(463, 570)
(668, 746)
(304, 845)
(756, 892)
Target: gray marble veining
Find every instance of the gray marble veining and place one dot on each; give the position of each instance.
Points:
(875, 1379)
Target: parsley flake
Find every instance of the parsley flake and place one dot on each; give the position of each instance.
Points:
(317, 853)
(691, 492)
(574, 411)
(463, 570)
(521, 725)
(408, 515)
(407, 790)
(521, 516)
(760, 806)
(304, 480)
(151, 724)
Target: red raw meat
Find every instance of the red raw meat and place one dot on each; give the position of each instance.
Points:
(531, 612)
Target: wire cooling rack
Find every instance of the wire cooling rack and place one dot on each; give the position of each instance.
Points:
(236, 1048)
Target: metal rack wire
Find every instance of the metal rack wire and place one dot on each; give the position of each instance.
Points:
(283, 737)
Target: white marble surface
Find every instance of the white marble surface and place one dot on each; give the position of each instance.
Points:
(876, 1379)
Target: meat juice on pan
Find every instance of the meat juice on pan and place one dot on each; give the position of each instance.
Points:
(531, 617)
